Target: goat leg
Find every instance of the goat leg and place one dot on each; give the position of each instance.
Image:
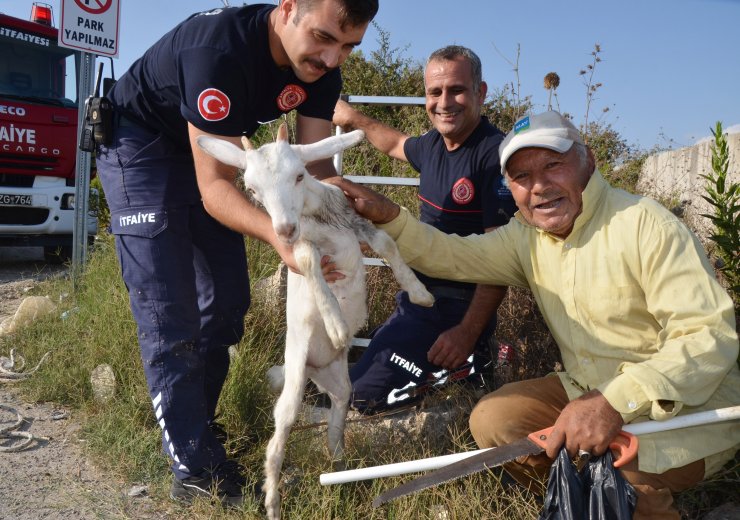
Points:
(333, 380)
(285, 413)
(309, 262)
(384, 245)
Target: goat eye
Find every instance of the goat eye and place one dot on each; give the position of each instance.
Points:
(299, 178)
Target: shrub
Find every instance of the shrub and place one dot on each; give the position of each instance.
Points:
(724, 198)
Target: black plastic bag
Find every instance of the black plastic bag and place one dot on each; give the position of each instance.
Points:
(597, 492)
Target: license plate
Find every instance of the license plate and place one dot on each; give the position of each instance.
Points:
(8, 199)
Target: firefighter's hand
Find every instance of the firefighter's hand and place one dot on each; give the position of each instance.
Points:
(328, 267)
(452, 348)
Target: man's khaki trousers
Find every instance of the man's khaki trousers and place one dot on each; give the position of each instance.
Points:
(517, 409)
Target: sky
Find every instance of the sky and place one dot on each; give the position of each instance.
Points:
(669, 69)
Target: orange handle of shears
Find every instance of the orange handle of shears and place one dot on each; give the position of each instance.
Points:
(624, 445)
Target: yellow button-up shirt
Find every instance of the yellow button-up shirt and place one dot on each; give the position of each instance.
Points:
(632, 302)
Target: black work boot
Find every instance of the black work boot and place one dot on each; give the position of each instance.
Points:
(225, 482)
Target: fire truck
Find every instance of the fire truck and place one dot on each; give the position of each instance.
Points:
(38, 136)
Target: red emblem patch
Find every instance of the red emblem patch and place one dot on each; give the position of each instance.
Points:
(463, 191)
(213, 104)
(291, 97)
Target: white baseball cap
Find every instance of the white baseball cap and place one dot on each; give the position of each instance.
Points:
(546, 130)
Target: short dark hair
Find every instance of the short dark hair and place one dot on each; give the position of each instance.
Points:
(351, 12)
(452, 52)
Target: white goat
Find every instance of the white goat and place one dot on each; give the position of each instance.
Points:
(317, 220)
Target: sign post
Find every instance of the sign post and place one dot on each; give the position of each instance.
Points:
(82, 172)
(90, 26)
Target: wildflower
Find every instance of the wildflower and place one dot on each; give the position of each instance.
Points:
(552, 80)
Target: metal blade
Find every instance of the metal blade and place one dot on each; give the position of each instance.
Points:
(462, 468)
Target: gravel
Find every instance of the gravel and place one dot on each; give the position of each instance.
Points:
(52, 478)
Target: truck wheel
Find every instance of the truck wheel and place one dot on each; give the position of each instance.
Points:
(57, 254)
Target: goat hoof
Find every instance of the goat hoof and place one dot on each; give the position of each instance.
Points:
(339, 337)
(422, 297)
(340, 343)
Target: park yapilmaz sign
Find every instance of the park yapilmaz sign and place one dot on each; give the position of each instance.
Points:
(90, 26)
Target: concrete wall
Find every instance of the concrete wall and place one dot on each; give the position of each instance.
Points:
(676, 175)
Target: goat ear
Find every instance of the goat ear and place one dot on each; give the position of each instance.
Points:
(282, 132)
(327, 147)
(224, 151)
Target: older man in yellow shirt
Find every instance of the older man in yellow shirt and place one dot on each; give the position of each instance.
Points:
(644, 328)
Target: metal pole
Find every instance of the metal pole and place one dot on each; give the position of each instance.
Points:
(82, 175)
(380, 101)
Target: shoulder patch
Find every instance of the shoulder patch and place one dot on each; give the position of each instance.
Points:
(291, 96)
(463, 191)
(213, 105)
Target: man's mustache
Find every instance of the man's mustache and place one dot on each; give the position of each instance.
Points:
(319, 64)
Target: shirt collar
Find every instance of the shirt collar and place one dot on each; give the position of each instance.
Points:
(595, 189)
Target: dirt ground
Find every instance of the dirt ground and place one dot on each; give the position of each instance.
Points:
(20, 269)
(52, 478)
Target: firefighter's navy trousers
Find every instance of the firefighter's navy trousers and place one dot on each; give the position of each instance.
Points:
(188, 286)
(397, 354)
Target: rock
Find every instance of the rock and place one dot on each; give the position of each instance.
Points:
(431, 424)
(103, 382)
(138, 491)
(439, 512)
(274, 287)
(31, 308)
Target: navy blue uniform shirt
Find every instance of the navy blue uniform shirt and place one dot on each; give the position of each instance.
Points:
(461, 191)
(215, 71)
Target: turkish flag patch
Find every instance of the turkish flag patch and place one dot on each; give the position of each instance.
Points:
(213, 105)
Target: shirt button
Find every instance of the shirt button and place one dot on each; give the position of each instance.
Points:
(631, 405)
(585, 361)
(568, 246)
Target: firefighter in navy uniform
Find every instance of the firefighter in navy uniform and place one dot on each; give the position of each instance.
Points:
(461, 191)
(178, 217)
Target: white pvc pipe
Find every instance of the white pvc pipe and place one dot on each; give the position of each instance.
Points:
(684, 421)
(393, 470)
(413, 466)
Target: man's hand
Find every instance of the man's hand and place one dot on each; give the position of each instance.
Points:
(588, 423)
(328, 268)
(386, 139)
(367, 203)
(344, 115)
(452, 348)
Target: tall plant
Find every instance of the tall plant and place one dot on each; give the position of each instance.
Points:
(724, 197)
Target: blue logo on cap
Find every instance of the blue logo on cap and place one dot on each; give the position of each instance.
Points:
(522, 124)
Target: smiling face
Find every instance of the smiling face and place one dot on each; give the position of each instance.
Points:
(452, 105)
(314, 41)
(548, 186)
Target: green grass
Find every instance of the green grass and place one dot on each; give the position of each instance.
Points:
(123, 438)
